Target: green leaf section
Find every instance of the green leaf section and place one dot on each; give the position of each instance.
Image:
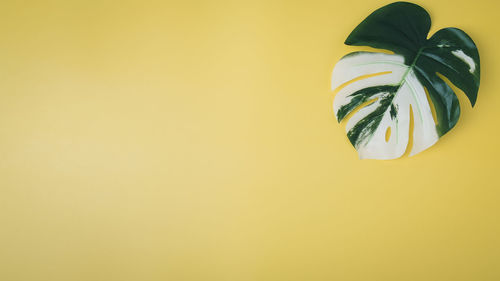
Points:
(400, 27)
(403, 28)
(364, 129)
(361, 96)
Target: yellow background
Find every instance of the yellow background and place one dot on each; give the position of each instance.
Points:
(195, 140)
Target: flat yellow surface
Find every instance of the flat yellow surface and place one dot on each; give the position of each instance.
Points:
(195, 141)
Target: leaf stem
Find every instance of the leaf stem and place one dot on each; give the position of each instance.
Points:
(403, 79)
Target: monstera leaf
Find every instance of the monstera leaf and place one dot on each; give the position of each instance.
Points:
(378, 91)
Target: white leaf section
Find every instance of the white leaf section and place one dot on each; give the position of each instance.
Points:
(409, 93)
(465, 58)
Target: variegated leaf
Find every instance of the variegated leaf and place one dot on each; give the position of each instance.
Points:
(379, 91)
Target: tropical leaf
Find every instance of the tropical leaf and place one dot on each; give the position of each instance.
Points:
(379, 91)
